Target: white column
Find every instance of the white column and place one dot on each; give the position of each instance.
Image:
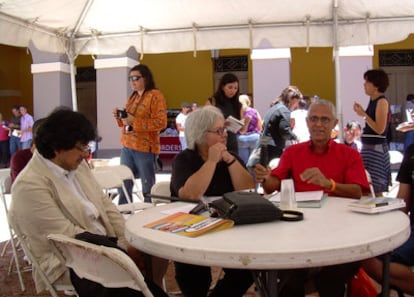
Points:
(271, 74)
(354, 62)
(112, 90)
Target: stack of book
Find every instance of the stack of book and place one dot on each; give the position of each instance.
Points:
(189, 224)
(377, 205)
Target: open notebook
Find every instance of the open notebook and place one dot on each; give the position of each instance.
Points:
(304, 199)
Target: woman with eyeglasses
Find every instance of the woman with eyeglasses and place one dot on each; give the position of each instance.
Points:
(208, 168)
(144, 116)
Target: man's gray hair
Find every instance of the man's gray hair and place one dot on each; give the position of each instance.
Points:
(198, 123)
(323, 102)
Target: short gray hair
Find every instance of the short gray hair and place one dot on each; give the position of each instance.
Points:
(323, 102)
(198, 123)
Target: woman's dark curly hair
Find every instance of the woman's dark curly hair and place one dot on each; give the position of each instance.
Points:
(62, 130)
(378, 78)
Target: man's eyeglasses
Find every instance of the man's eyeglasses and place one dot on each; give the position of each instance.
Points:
(84, 149)
(323, 120)
(219, 131)
(134, 77)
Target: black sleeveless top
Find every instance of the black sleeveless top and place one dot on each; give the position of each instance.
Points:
(369, 136)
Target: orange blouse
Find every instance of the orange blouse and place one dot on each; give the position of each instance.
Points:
(150, 111)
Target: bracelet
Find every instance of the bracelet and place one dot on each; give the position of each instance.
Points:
(231, 163)
(333, 185)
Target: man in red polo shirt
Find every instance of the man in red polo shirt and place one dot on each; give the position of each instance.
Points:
(318, 164)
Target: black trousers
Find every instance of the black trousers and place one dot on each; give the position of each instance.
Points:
(87, 288)
(329, 280)
(195, 281)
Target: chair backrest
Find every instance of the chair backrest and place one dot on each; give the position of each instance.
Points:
(35, 264)
(5, 180)
(105, 265)
(371, 187)
(161, 188)
(125, 173)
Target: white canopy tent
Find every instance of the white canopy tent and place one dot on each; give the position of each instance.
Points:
(158, 26)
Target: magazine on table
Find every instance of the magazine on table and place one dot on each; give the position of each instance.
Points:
(191, 225)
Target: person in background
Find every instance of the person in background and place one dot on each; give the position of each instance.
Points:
(276, 123)
(207, 168)
(171, 130)
(375, 150)
(20, 159)
(402, 258)
(309, 164)
(335, 133)
(352, 133)
(180, 122)
(57, 193)
(194, 106)
(26, 124)
(249, 135)
(298, 122)
(4, 143)
(15, 134)
(226, 98)
(145, 116)
(409, 111)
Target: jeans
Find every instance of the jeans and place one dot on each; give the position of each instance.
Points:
(143, 166)
(15, 144)
(26, 144)
(183, 143)
(247, 142)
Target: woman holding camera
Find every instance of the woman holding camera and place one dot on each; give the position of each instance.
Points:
(145, 115)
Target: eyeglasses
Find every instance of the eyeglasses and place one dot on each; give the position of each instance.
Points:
(323, 120)
(84, 149)
(134, 77)
(219, 131)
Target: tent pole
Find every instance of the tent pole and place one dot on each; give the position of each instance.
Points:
(73, 85)
(339, 113)
(71, 56)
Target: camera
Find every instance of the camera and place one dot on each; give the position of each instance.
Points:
(121, 113)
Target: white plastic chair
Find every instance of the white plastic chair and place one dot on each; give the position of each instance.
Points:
(161, 188)
(371, 187)
(105, 265)
(52, 288)
(125, 173)
(5, 189)
(109, 177)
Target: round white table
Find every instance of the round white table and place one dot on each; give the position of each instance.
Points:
(329, 235)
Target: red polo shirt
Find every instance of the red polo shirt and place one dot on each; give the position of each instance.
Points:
(339, 162)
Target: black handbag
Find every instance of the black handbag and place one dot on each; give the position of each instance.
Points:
(246, 208)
